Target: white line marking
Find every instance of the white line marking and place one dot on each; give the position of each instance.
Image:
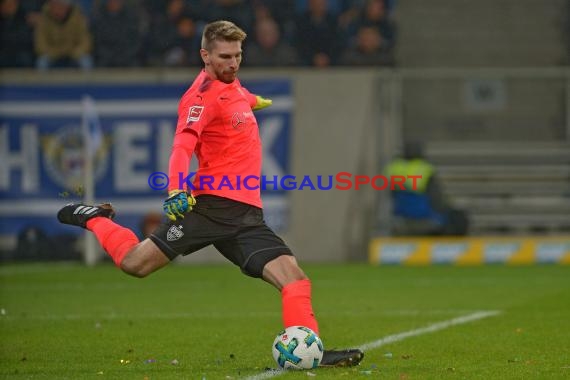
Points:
(400, 336)
(428, 329)
(267, 374)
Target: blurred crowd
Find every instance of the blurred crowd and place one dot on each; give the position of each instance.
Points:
(155, 33)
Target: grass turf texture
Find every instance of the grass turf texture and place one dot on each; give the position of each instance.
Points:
(70, 322)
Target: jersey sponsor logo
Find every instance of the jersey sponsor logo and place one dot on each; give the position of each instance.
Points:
(238, 120)
(194, 113)
(174, 233)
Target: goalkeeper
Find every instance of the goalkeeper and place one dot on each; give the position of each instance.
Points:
(215, 122)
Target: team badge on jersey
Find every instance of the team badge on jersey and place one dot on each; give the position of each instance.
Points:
(174, 233)
(194, 114)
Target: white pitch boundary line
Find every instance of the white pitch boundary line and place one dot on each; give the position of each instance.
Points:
(428, 329)
(401, 336)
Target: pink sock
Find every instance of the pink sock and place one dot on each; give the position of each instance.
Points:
(116, 240)
(297, 308)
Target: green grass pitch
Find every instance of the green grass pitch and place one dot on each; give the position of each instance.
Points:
(211, 322)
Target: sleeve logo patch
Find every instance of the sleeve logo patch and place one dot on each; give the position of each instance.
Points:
(194, 113)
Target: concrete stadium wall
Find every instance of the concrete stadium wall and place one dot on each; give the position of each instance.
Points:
(482, 33)
(498, 107)
(334, 124)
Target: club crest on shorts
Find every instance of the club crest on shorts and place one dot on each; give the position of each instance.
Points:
(174, 233)
(194, 114)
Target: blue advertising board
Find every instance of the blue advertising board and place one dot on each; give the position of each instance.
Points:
(41, 149)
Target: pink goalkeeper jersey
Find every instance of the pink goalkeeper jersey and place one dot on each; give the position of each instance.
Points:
(215, 121)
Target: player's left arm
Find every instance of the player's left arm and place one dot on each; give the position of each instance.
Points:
(261, 103)
(257, 102)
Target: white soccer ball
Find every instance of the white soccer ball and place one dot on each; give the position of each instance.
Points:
(297, 347)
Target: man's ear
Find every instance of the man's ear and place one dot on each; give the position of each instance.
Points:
(205, 56)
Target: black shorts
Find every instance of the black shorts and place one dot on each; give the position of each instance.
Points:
(236, 229)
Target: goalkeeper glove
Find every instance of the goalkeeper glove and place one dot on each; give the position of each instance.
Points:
(261, 103)
(177, 204)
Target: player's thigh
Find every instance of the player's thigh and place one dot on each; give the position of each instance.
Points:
(252, 248)
(187, 235)
(144, 259)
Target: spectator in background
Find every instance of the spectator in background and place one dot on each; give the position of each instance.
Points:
(282, 11)
(333, 6)
(422, 210)
(153, 6)
(370, 49)
(33, 10)
(182, 52)
(374, 13)
(16, 38)
(268, 49)
(317, 37)
(261, 11)
(62, 37)
(88, 7)
(116, 32)
(350, 11)
(174, 36)
(237, 11)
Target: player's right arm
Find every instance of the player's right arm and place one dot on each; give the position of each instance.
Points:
(193, 115)
(179, 201)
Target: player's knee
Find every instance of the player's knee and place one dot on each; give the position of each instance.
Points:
(283, 270)
(134, 267)
(143, 259)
